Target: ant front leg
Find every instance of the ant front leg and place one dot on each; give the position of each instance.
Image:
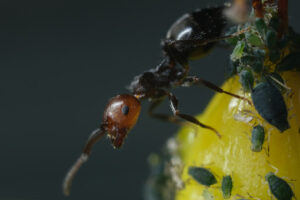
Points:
(192, 80)
(95, 136)
(164, 117)
(189, 118)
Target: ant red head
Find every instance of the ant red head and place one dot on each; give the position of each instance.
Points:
(120, 116)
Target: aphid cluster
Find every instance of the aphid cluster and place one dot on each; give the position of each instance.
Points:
(258, 58)
(191, 37)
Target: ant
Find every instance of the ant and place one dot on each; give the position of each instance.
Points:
(191, 37)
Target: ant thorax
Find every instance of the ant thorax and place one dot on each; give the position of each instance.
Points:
(149, 83)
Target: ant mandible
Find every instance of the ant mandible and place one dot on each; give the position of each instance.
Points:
(190, 37)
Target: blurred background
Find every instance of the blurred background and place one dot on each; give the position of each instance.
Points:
(61, 61)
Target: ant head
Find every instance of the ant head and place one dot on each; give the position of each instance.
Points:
(120, 116)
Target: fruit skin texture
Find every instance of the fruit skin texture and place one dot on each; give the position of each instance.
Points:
(232, 155)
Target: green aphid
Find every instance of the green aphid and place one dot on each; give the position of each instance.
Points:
(257, 138)
(202, 176)
(256, 63)
(274, 54)
(259, 53)
(248, 59)
(246, 79)
(279, 187)
(269, 103)
(274, 22)
(290, 62)
(238, 50)
(253, 39)
(271, 39)
(231, 68)
(260, 26)
(257, 66)
(227, 186)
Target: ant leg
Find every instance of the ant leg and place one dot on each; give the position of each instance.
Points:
(192, 80)
(95, 136)
(160, 116)
(174, 108)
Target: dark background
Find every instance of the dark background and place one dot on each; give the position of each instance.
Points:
(60, 63)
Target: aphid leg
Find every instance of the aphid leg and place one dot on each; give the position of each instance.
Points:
(95, 136)
(174, 107)
(161, 116)
(192, 80)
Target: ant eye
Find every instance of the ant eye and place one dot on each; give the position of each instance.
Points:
(125, 110)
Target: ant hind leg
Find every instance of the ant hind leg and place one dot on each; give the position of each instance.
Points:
(161, 116)
(192, 80)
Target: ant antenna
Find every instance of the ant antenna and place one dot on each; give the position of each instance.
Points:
(95, 136)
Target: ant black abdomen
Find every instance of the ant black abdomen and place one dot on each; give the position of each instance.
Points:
(200, 25)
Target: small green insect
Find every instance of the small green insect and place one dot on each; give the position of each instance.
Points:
(290, 62)
(227, 186)
(202, 176)
(246, 79)
(260, 26)
(279, 187)
(257, 138)
(269, 103)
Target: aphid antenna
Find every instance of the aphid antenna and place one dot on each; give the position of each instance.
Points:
(292, 115)
(280, 83)
(273, 167)
(267, 149)
(252, 197)
(239, 197)
(263, 181)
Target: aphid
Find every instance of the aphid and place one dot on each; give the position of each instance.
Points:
(260, 26)
(290, 62)
(246, 79)
(279, 187)
(269, 103)
(227, 186)
(190, 37)
(271, 39)
(202, 176)
(257, 138)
